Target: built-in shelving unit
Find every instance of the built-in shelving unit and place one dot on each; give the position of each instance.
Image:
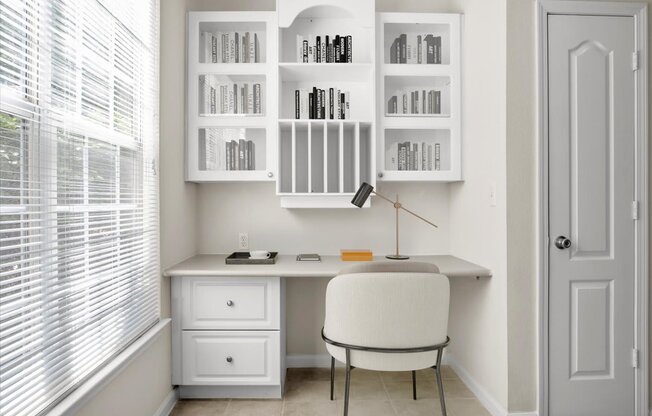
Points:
(399, 81)
(231, 86)
(419, 115)
(323, 161)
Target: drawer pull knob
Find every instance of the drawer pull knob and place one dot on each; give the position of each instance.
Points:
(229, 359)
(229, 303)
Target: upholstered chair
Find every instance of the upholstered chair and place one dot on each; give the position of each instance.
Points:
(387, 317)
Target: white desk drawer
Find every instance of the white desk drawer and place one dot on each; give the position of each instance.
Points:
(231, 357)
(231, 303)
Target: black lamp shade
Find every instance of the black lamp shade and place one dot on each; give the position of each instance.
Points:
(362, 195)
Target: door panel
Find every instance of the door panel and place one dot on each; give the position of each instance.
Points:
(591, 188)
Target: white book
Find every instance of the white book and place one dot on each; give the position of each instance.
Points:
(347, 103)
(304, 105)
(391, 157)
(437, 157)
(299, 48)
(429, 157)
(250, 98)
(207, 50)
(252, 46)
(218, 43)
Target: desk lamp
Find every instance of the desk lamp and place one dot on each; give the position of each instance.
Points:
(361, 197)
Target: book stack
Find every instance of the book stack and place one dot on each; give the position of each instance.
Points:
(415, 102)
(223, 150)
(229, 98)
(231, 47)
(325, 48)
(356, 255)
(415, 49)
(331, 103)
(413, 156)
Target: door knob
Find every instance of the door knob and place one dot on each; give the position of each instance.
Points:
(229, 359)
(562, 242)
(229, 303)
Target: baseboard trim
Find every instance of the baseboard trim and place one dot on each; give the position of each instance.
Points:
(309, 360)
(231, 392)
(168, 403)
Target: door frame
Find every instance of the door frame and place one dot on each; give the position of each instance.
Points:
(639, 12)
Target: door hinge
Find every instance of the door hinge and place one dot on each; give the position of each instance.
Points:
(635, 61)
(635, 210)
(635, 358)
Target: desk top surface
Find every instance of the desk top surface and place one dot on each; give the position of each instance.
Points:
(329, 266)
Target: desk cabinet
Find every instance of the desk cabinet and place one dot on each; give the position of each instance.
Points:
(227, 339)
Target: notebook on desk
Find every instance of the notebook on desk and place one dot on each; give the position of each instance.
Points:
(309, 257)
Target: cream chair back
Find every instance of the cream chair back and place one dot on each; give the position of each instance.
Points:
(387, 310)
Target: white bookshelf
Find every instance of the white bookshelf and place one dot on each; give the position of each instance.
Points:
(435, 130)
(222, 122)
(320, 162)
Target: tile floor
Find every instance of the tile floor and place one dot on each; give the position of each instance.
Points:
(372, 394)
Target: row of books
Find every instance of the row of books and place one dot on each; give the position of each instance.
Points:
(220, 153)
(415, 102)
(231, 47)
(419, 49)
(325, 48)
(229, 98)
(414, 156)
(322, 104)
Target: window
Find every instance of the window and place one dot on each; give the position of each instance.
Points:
(79, 267)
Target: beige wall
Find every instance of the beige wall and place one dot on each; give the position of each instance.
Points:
(521, 206)
(479, 309)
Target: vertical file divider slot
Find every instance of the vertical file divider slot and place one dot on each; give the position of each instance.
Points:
(341, 156)
(356, 157)
(325, 157)
(317, 157)
(294, 157)
(309, 156)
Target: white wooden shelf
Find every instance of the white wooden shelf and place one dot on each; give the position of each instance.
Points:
(322, 162)
(429, 132)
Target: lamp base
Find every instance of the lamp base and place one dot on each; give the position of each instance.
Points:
(396, 257)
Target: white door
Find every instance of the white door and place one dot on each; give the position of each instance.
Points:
(591, 128)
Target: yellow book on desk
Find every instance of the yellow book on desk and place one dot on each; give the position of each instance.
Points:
(356, 255)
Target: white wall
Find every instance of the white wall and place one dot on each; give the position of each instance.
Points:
(478, 318)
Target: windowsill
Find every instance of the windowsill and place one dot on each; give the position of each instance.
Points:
(75, 400)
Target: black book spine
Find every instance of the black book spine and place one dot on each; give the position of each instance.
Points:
(305, 51)
(318, 107)
(311, 107)
(297, 104)
(349, 48)
(331, 103)
(322, 93)
(319, 51)
(342, 105)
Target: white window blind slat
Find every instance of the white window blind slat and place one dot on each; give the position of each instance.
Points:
(79, 267)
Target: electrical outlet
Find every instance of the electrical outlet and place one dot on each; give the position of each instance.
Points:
(243, 241)
(492, 195)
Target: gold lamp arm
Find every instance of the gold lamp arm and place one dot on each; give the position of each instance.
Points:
(399, 205)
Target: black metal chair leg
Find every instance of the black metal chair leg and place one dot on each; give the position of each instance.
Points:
(332, 375)
(347, 383)
(414, 385)
(442, 401)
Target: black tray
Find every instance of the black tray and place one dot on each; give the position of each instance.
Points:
(242, 257)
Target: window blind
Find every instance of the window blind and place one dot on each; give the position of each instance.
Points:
(79, 266)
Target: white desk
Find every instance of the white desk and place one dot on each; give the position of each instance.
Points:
(287, 266)
(228, 321)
